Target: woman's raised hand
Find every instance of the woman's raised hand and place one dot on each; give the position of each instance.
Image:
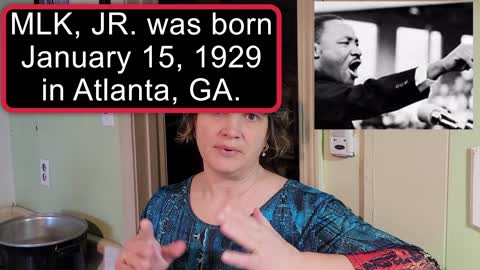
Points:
(267, 249)
(143, 252)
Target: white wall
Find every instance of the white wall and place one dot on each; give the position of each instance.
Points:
(7, 194)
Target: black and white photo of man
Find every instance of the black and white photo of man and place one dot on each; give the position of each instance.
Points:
(338, 57)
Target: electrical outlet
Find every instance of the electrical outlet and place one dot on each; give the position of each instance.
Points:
(44, 172)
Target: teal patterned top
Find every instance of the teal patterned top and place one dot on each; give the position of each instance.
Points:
(307, 218)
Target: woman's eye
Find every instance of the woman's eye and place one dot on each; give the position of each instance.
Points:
(252, 116)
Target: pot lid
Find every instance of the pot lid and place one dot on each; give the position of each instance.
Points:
(38, 230)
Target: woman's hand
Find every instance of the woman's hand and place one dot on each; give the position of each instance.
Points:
(143, 252)
(267, 249)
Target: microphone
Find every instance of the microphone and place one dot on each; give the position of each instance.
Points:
(435, 115)
(469, 124)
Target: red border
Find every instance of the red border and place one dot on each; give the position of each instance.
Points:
(140, 7)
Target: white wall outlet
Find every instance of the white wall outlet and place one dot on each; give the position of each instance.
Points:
(44, 172)
(475, 186)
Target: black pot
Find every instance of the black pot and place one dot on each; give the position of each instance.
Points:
(43, 242)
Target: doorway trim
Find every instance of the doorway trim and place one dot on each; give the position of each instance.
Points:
(128, 180)
(305, 29)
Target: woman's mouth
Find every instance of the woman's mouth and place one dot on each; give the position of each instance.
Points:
(227, 151)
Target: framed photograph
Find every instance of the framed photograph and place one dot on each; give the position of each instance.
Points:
(377, 65)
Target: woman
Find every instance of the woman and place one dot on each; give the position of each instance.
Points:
(236, 214)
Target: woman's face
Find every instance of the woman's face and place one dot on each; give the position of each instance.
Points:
(232, 142)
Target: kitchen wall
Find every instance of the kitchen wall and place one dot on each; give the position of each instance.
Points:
(84, 157)
(463, 242)
(85, 170)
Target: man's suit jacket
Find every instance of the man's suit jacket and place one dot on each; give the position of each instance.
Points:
(337, 104)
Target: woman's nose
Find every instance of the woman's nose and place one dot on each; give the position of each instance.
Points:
(231, 126)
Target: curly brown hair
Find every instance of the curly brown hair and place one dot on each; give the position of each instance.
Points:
(277, 134)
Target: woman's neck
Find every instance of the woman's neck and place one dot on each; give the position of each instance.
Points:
(217, 185)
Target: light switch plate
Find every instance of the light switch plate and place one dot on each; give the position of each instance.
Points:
(475, 186)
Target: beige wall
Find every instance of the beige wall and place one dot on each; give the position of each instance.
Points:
(397, 182)
(341, 176)
(406, 174)
(463, 241)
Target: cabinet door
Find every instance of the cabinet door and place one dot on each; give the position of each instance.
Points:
(405, 186)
